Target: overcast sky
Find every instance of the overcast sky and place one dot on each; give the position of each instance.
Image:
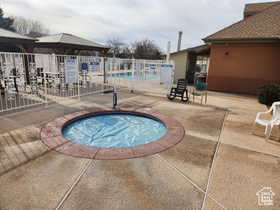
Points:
(130, 20)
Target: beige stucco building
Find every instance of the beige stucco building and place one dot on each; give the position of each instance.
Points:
(180, 61)
(187, 60)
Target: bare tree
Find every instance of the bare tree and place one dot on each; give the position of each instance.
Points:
(146, 49)
(118, 48)
(29, 27)
(115, 45)
(115, 41)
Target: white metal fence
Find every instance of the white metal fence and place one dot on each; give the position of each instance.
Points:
(33, 79)
(141, 75)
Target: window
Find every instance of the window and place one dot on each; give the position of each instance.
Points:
(202, 64)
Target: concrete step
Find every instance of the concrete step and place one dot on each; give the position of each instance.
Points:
(20, 146)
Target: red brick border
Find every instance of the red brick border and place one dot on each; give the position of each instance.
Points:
(51, 135)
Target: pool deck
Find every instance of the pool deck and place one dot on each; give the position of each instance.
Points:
(218, 165)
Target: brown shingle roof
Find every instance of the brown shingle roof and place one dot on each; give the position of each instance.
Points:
(258, 7)
(262, 26)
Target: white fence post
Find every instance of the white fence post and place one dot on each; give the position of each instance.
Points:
(144, 69)
(119, 71)
(46, 90)
(144, 73)
(172, 75)
(133, 79)
(78, 69)
(104, 69)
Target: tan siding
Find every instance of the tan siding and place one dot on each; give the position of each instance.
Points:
(180, 60)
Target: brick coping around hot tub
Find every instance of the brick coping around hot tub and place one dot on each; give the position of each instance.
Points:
(51, 135)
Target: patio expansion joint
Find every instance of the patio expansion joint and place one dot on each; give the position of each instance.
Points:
(189, 180)
(211, 106)
(213, 165)
(74, 184)
(252, 150)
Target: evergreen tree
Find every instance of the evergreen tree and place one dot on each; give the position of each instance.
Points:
(6, 22)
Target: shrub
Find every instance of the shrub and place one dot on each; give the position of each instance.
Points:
(269, 94)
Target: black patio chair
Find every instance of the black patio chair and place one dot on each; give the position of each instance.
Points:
(180, 91)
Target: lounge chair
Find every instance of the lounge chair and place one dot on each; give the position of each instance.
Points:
(180, 91)
(269, 124)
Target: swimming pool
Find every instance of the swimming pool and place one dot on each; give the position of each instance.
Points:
(114, 130)
(137, 75)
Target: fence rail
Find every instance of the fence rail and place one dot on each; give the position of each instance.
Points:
(33, 79)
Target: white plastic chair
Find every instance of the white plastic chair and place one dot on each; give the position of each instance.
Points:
(274, 121)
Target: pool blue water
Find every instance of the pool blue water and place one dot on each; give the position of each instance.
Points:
(137, 75)
(114, 130)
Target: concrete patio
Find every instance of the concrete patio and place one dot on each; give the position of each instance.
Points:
(218, 165)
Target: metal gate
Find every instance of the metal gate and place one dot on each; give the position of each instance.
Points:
(139, 75)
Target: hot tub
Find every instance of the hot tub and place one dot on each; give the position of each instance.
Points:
(114, 130)
(110, 134)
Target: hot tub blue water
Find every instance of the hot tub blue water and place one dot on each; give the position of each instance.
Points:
(114, 130)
